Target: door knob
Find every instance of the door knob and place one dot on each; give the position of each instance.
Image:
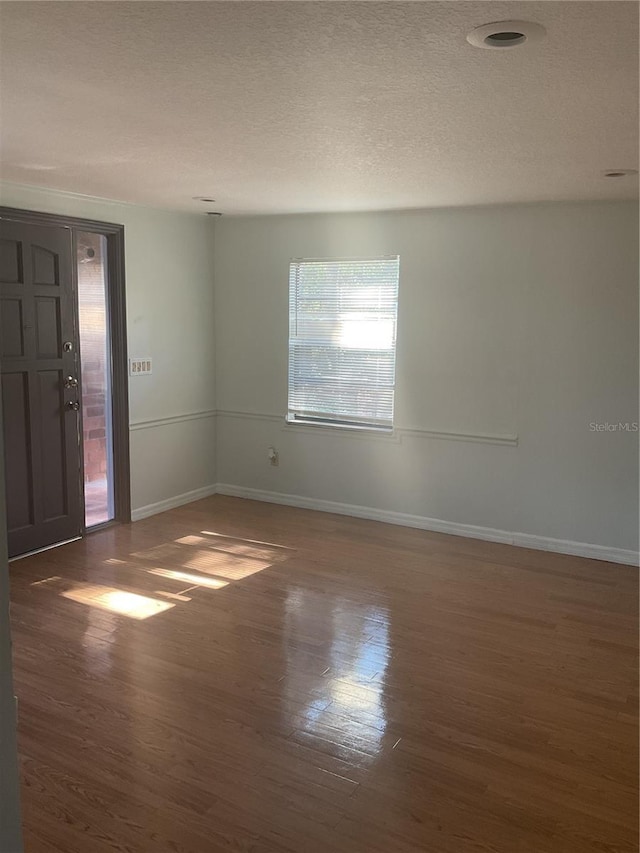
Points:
(70, 382)
(73, 406)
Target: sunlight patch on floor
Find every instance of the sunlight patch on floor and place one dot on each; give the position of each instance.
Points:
(233, 546)
(197, 580)
(205, 560)
(129, 604)
(175, 596)
(223, 565)
(221, 536)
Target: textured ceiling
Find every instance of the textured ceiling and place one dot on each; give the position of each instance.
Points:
(277, 107)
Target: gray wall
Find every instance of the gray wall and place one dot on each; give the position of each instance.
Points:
(514, 320)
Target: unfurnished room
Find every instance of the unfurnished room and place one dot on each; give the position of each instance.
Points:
(319, 431)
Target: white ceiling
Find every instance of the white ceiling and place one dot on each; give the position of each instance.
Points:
(308, 106)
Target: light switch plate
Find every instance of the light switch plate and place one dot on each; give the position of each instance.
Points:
(140, 366)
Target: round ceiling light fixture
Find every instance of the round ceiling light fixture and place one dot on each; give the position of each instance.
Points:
(204, 198)
(502, 35)
(619, 173)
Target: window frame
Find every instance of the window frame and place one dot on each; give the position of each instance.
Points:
(337, 423)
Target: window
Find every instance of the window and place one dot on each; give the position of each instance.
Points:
(342, 341)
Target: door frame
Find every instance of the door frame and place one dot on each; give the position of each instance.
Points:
(116, 300)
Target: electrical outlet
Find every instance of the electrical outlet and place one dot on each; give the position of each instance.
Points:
(140, 366)
(274, 459)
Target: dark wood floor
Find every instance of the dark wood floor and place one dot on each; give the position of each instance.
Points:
(236, 676)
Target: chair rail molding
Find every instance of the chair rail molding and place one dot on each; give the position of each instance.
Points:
(397, 435)
(172, 419)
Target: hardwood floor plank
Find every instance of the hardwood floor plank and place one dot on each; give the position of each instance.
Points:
(237, 676)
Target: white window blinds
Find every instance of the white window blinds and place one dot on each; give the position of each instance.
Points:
(342, 340)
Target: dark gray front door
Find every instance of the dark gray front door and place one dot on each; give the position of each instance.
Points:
(39, 360)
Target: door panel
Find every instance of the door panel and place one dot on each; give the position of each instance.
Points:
(45, 266)
(12, 343)
(50, 402)
(42, 447)
(48, 331)
(15, 399)
(11, 261)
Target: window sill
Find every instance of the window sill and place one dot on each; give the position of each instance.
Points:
(342, 427)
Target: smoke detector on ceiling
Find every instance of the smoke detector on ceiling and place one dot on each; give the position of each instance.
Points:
(502, 35)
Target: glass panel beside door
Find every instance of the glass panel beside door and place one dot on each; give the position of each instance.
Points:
(95, 358)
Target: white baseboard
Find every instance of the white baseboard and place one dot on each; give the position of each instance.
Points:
(490, 534)
(437, 525)
(171, 503)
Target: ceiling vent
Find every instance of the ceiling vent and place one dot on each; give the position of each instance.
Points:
(503, 35)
